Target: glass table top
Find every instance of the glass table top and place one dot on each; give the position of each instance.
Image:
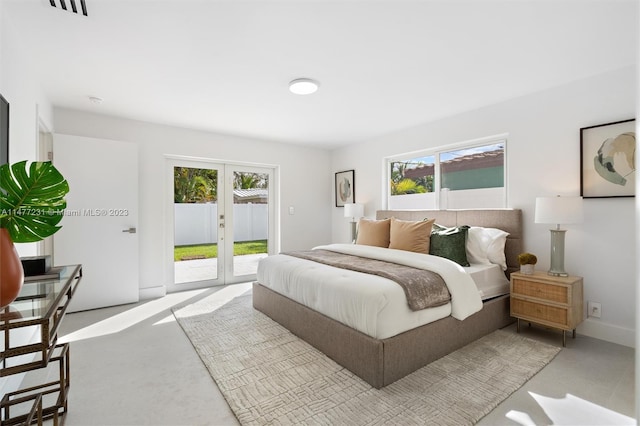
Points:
(39, 299)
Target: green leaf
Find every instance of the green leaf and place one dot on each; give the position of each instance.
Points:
(31, 202)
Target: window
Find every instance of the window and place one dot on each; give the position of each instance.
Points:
(467, 176)
(473, 168)
(414, 176)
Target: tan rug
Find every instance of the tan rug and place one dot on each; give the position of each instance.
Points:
(268, 375)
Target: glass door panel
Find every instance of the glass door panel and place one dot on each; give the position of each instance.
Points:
(248, 224)
(197, 192)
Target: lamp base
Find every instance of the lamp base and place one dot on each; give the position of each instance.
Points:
(557, 253)
(354, 232)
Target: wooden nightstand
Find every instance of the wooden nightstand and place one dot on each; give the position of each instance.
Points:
(547, 300)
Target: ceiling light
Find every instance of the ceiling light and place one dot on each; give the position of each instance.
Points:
(96, 100)
(303, 86)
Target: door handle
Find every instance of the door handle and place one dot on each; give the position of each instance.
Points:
(130, 230)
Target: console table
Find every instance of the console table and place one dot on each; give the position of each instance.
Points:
(38, 311)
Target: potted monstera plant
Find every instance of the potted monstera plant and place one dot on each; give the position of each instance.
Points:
(32, 205)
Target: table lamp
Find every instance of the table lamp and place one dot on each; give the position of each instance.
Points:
(558, 210)
(355, 211)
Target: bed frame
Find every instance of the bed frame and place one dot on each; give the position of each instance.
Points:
(381, 362)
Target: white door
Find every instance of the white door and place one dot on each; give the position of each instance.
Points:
(250, 220)
(99, 229)
(195, 212)
(220, 220)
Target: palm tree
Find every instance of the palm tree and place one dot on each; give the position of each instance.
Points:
(425, 182)
(397, 171)
(406, 186)
(402, 185)
(201, 185)
(194, 185)
(244, 180)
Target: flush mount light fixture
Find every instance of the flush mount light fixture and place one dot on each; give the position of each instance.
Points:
(95, 100)
(303, 86)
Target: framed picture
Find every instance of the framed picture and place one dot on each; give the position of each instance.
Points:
(607, 160)
(345, 188)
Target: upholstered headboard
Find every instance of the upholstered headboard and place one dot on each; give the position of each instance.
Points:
(509, 220)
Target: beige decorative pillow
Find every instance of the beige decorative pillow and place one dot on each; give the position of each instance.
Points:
(373, 232)
(411, 236)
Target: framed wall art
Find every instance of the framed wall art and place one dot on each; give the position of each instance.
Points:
(607, 160)
(345, 188)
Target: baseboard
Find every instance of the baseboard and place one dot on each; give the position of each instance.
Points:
(152, 292)
(608, 332)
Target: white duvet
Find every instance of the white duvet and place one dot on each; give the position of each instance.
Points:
(368, 303)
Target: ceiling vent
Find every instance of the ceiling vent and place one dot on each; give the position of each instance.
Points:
(64, 4)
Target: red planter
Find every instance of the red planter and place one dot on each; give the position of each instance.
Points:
(11, 273)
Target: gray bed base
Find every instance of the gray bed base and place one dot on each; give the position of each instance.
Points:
(382, 362)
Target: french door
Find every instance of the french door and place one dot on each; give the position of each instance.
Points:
(222, 222)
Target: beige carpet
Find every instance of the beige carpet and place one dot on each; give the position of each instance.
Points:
(268, 375)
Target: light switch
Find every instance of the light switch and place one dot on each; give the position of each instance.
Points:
(292, 210)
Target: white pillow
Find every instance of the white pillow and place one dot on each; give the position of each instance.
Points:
(478, 245)
(486, 246)
(496, 248)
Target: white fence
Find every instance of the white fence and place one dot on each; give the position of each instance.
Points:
(197, 223)
(481, 198)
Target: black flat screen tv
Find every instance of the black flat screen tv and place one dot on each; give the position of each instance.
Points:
(4, 131)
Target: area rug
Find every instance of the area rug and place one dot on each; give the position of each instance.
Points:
(270, 376)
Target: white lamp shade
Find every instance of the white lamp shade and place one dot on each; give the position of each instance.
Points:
(559, 210)
(354, 210)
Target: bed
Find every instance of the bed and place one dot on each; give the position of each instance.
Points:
(382, 352)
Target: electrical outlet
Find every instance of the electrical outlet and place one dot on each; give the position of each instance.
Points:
(594, 309)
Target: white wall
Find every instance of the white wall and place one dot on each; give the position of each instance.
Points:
(20, 87)
(303, 180)
(543, 160)
(27, 102)
(2, 38)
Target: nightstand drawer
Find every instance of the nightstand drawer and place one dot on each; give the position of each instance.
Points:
(550, 292)
(536, 311)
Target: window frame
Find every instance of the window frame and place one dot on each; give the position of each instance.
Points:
(440, 204)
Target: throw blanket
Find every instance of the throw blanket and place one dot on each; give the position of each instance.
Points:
(423, 289)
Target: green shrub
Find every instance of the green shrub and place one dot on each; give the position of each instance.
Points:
(527, 259)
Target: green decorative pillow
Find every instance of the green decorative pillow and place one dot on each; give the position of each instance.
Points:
(450, 243)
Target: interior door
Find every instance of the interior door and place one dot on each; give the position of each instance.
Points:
(99, 229)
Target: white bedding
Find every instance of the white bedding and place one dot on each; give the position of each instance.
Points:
(489, 279)
(368, 303)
